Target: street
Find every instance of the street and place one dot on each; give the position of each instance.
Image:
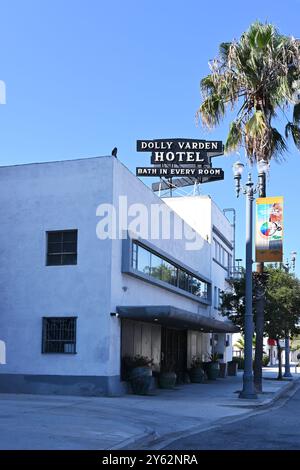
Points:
(276, 429)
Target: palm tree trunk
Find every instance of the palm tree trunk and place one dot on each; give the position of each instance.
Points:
(279, 351)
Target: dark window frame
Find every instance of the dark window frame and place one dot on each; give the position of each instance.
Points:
(61, 253)
(60, 340)
(190, 276)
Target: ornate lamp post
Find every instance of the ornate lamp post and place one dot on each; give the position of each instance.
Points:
(249, 190)
(262, 169)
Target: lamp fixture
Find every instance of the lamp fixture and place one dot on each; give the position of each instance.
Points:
(238, 168)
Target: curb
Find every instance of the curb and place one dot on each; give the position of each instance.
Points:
(138, 440)
(290, 385)
(152, 438)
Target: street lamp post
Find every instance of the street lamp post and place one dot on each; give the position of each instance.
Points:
(287, 367)
(248, 390)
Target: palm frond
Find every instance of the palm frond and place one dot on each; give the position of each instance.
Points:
(296, 114)
(287, 129)
(256, 125)
(207, 85)
(224, 50)
(211, 110)
(234, 138)
(294, 131)
(278, 146)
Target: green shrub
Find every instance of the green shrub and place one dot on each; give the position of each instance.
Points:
(265, 360)
(240, 361)
(196, 362)
(131, 362)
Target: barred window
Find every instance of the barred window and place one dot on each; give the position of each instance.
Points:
(61, 247)
(59, 335)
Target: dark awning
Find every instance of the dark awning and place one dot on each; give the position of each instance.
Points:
(168, 315)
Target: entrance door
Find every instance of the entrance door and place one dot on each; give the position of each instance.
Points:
(174, 351)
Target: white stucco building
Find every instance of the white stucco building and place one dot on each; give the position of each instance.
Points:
(72, 304)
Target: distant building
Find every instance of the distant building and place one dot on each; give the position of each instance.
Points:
(73, 304)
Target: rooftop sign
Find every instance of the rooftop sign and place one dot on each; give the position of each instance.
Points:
(180, 150)
(189, 158)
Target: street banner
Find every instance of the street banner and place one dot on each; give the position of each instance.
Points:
(269, 229)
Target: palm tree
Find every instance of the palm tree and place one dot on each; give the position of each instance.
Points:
(257, 76)
(240, 343)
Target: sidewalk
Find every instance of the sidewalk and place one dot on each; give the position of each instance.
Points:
(59, 422)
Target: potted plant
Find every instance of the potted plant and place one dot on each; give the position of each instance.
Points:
(167, 376)
(232, 367)
(223, 367)
(240, 362)
(265, 360)
(213, 367)
(197, 374)
(138, 372)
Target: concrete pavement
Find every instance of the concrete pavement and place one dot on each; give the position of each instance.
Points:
(131, 422)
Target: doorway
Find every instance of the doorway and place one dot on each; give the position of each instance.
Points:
(174, 351)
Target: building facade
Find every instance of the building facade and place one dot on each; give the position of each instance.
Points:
(81, 288)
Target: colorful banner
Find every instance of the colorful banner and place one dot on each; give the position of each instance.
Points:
(269, 229)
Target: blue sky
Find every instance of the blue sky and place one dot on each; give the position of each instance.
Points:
(85, 76)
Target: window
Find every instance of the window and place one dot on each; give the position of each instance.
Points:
(169, 273)
(218, 293)
(183, 280)
(225, 263)
(222, 256)
(152, 264)
(156, 265)
(59, 335)
(220, 296)
(61, 247)
(143, 260)
(196, 286)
